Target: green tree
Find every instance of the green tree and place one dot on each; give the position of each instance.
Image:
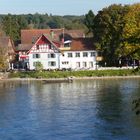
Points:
(38, 66)
(131, 32)
(1, 31)
(22, 22)
(116, 31)
(11, 26)
(107, 30)
(56, 22)
(89, 21)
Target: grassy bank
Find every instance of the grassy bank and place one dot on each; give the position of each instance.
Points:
(64, 74)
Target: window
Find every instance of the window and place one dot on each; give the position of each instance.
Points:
(84, 64)
(52, 63)
(69, 54)
(51, 46)
(78, 64)
(85, 54)
(92, 54)
(52, 55)
(67, 45)
(37, 47)
(91, 64)
(65, 63)
(36, 55)
(77, 54)
(33, 40)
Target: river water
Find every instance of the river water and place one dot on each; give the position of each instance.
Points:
(82, 110)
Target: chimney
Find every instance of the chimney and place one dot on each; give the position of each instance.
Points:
(52, 34)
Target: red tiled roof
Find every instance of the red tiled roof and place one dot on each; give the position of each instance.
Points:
(42, 40)
(82, 44)
(77, 44)
(24, 47)
(7, 42)
(28, 36)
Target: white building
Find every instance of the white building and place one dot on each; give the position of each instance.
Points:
(75, 54)
(78, 60)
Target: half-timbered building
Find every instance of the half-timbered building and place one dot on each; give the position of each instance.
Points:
(58, 52)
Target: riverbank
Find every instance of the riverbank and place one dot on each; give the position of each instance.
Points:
(74, 75)
(66, 79)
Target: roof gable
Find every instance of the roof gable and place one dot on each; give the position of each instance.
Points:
(44, 40)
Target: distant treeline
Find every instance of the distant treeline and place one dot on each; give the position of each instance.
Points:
(12, 24)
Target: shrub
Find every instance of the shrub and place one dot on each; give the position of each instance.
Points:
(64, 74)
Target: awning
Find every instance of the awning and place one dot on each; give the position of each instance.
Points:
(23, 57)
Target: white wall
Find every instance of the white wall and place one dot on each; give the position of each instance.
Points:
(71, 62)
(44, 60)
(62, 61)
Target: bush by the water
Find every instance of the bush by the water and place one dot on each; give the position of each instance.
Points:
(64, 74)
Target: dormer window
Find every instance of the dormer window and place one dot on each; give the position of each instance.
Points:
(67, 44)
(33, 40)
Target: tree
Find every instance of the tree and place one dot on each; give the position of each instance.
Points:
(116, 31)
(1, 31)
(11, 26)
(3, 58)
(131, 32)
(38, 66)
(56, 22)
(22, 22)
(107, 29)
(89, 21)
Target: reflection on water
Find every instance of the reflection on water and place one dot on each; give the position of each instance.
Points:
(82, 110)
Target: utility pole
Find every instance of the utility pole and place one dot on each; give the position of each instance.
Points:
(63, 36)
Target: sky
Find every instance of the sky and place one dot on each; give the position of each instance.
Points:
(57, 7)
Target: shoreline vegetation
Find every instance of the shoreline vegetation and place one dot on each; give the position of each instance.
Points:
(59, 76)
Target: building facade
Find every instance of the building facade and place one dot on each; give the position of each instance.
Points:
(67, 53)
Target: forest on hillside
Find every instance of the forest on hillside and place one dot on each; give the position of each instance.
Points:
(12, 24)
